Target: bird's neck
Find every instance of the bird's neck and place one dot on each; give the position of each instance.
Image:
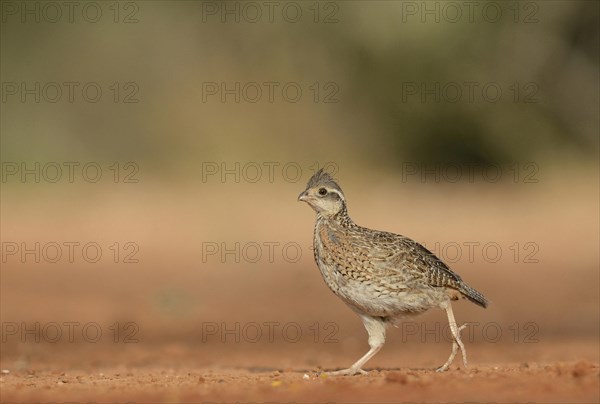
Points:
(341, 217)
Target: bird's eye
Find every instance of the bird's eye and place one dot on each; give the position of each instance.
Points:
(322, 191)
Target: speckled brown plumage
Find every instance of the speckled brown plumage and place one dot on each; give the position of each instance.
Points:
(382, 276)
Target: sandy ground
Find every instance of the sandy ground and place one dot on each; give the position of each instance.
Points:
(556, 382)
(180, 326)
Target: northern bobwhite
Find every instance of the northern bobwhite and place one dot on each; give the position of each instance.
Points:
(381, 276)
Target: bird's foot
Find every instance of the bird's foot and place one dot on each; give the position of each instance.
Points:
(442, 368)
(446, 366)
(351, 371)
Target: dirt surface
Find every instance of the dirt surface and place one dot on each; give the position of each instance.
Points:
(557, 382)
(177, 326)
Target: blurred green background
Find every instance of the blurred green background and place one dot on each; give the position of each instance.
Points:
(372, 59)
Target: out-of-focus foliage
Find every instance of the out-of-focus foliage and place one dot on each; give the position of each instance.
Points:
(546, 69)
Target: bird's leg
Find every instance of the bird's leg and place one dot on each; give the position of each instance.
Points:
(376, 328)
(456, 341)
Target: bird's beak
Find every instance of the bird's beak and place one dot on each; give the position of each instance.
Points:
(303, 196)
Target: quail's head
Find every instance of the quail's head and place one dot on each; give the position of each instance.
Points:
(323, 194)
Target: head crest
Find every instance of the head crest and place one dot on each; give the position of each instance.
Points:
(322, 177)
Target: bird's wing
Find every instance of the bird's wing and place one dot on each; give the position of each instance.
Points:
(394, 253)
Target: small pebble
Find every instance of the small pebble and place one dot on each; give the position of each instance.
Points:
(5, 371)
(306, 377)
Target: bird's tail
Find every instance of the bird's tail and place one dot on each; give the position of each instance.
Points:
(473, 295)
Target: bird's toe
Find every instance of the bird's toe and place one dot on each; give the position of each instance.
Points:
(346, 372)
